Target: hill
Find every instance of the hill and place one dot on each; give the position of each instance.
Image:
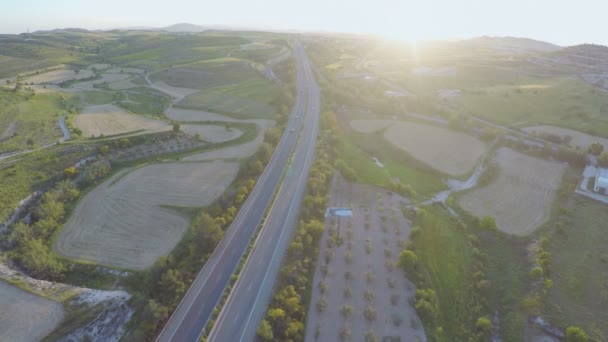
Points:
(513, 44)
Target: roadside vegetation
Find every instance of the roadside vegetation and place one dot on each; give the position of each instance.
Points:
(286, 315)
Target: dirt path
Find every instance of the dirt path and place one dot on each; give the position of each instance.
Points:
(64, 129)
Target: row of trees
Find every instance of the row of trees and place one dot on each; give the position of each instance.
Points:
(286, 313)
(31, 240)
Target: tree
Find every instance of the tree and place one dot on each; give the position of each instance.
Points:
(103, 150)
(70, 172)
(487, 222)
(176, 127)
(484, 325)
(596, 149)
(294, 328)
(408, 260)
(40, 261)
(602, 160)
(265, 331)
(30, 142)
(173, 286)
(576, 334)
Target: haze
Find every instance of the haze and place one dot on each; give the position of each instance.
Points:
(404, 20)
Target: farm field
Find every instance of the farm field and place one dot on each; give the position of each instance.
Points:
(35, 118)
(563, 101)
(521, 196)
(579, 139)
(111, 120)
(447, 151)
(579, 269)
(59, 76)
(122, 222)
(357, 289)
(105, 78)
(25, 316)
(207, 74)
(212, 133)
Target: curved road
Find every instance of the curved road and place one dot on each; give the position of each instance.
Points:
(191, 316)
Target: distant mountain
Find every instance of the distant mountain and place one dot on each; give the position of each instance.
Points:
(514, 44)
(183, 27)
(64, 30)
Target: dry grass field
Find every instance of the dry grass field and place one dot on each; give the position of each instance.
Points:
(363, 292)
(122, 223)
(105, 78)
(520, 197)
(370, 126)
(176, 92)
(212, 133)
(579, 139)
(58, 76)
(110, 120)
(448, 151)
(25, 316)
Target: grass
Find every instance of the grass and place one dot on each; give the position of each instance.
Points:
(579, 269)
(96, 97)
(208, 74)
(507, 271)
(32, 117)
(357, 149)
(242, 103)
(561, 101)
(445, 259)
(32, 172)
(258, 55)
(145, 102)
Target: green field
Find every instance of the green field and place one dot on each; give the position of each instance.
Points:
(579, 269)
(250, 99)
(146, 101)
(26, 118)
(445, 264)
(424, 183)
(208, 74)
(507, 271)
(561, 101)
(98, 97)
(32, 172)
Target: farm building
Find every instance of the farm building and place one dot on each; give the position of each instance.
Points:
(601, 179)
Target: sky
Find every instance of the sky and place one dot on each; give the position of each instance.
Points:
(562, 22)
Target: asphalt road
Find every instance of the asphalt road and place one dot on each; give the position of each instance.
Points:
(246, 305)
(191, 316)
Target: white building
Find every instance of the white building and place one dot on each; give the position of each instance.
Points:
(601, 179)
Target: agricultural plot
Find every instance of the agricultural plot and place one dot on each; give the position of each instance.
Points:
(34, 119)
(11, 66)
(359, 294)
(207, 74)
(105, 78)
(125, 223)
(579, 270)
(212, 133)
(565, 101)
(25, 316)
(225, 103)
(578, 139)
(59, 76)
(521, 196)
(111, 120)
(447, 151)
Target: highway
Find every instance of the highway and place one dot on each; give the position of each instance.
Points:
(246, 305)
(196, 307)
